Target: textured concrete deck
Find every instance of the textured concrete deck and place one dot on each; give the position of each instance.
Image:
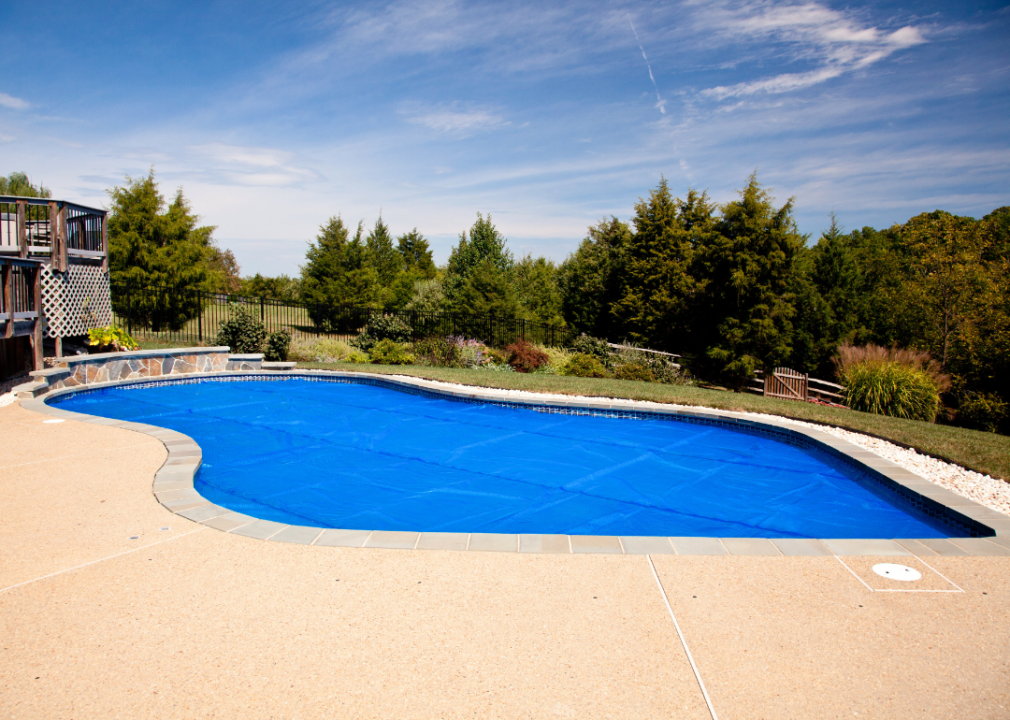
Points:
(189, 621)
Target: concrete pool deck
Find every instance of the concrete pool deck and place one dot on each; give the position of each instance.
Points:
(188, 621)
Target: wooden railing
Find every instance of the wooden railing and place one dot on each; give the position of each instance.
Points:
(21, 302)
(56, 230)
(788, 384)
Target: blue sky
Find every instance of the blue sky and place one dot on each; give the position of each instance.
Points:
(549, 116)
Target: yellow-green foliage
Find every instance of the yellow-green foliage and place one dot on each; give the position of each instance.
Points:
(322, 350)
(390, 352)
(634, 371)
(357, 357)
(558, 357)
(585, 366)
(886, 387)
(112, 338)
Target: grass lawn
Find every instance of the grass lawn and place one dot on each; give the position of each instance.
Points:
(985, 452)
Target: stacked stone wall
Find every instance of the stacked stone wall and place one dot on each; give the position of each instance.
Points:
(110, 367)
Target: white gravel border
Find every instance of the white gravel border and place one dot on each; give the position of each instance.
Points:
(986, 490)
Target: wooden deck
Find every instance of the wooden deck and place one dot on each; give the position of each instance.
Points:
(53, 258)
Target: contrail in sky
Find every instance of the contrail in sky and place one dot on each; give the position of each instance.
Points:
(660, 103)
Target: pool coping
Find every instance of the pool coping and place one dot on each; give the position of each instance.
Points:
(173, 484)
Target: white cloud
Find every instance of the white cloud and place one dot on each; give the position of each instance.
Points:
(458, 122)
(9, 101)
(810, 32)
(256, 166)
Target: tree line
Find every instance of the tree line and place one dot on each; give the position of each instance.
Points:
(733, 287)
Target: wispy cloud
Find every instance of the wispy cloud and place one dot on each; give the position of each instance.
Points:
(836, 43)
(243, 165)
(454, 119)
(9, 101)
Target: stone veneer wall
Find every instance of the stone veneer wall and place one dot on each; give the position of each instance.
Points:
(109, 367)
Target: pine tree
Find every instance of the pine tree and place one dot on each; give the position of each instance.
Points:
(480, 264)
(746, 304)
(337, 274)
(416, 254)
(591, 280)
(659, 283)
(154, 246)
(382, 255)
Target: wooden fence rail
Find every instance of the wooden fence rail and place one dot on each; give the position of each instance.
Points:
(788, 384)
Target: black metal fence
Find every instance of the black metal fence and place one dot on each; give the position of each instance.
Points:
(187, 316)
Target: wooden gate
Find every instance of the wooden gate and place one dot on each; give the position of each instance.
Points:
(786, 383)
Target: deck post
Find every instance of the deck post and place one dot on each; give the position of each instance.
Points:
(61, 222)
(8, 291)
(37, 328)
(105, 242)
(22, 229)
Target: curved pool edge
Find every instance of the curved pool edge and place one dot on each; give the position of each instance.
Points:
(987, 531)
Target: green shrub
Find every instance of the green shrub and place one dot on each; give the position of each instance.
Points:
(559, 357)
(497, 357)
(242, 332)
(524, 357)
(983, 411)
(390, 352)
(438, 352)
(111, 339)
(634, 370)
(382, 327)
(890, 388)
(597, 347)
(357, 357)
(277, 346)
(324, 350)
(666, 371)
(586, 366)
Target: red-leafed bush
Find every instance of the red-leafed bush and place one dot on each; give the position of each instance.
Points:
(525, 358)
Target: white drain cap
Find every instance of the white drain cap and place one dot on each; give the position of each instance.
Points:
(891, 571)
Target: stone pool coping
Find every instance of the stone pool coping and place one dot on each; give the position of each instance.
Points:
(173, 483)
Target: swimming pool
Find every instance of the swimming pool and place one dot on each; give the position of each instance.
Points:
(359, 456)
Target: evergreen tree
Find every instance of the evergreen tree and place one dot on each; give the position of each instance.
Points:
(416, 255)
(537, 292)
(591, 280)
(828, 290)
(382, 255)
(747, 266)
(337, 274)
(418, 266)
(484, 254)
(660, 286)
(487, 290)
(151, 245)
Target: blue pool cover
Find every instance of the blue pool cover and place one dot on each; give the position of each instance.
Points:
(358, 456)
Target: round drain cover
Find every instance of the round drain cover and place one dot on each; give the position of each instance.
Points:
(897, 572)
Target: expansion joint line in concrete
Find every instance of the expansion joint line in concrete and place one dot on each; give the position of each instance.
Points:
(683, 640)
(95, 562)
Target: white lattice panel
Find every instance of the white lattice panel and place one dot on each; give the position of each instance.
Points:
(75, 301)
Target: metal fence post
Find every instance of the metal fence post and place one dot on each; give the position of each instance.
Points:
(199, 315)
